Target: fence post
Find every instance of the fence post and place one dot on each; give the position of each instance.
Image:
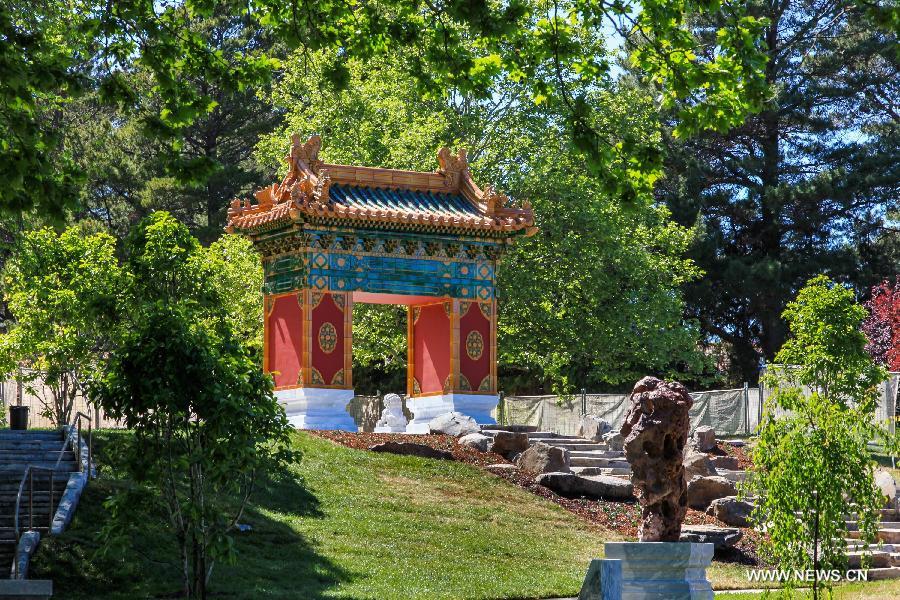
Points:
(501, 408)
(583, 402)
(762, 395)
(746, 408)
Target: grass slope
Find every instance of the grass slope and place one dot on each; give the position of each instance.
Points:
(353, 524)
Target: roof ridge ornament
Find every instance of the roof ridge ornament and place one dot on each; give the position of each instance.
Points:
(453, 168)
(306, 152)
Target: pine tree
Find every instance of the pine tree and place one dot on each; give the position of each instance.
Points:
(802, 187)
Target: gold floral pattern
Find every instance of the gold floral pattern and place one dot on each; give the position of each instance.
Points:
(327, 338)
(474, 345)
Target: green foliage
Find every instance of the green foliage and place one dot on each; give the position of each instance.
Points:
(238, 283)
(812, 464)
(205, 419)
(805, 186)
(61, 291)
(591, 300)
(59, 50)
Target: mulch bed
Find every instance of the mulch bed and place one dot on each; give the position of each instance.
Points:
(622, 517)
(740, 453)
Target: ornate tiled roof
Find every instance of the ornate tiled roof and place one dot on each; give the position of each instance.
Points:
(446, 200)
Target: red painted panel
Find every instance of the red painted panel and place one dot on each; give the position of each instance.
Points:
(431, 348)
(285, 343)
(477, 368)
(328, 342)
(378, 298)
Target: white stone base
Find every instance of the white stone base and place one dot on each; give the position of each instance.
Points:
(425, 408)
(661, 570)
(317, 408)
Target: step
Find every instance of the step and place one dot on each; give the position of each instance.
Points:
(735, 476)
(616, 454)
(65, 465)
(609, 463)
(886, 535)
(612, 471)
(31, 456)
(563, 442)
(887, 514)
(854, 525)
(580, 447)
(884, 573)
(550, 435)
(879, 559)
(30, 433)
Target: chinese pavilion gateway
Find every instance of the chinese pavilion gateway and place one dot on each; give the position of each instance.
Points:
(332, 235)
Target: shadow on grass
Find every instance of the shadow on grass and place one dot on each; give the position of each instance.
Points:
(273, 559)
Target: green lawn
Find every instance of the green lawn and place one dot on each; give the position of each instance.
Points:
(875, 590)
(356, 525)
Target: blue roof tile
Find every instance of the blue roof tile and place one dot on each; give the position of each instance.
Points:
(440, 203)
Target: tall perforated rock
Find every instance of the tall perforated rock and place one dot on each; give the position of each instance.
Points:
(656, 430)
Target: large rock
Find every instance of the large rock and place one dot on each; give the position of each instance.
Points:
(885, 482)
(597, 487)
(696, 464)
(453, 423)
(720, 537)
(508, 443)
(615, 441)
(478, 441)
(655, 430)
(731, 511)
(593, 428)
(705, 438)
(701, 491)
(411, 449)
(542, 458)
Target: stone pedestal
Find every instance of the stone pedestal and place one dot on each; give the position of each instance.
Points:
(650, 571)
(425, 408)
(317, 408)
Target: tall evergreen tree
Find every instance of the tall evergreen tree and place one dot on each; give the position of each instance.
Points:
(130, 172)
(803, 187)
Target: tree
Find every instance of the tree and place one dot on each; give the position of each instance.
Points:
(593, 299)
(56, 51)
(812, 464)
(238, 283)
(882, 325)
(60, 290)
(205, 420)
(802, 187)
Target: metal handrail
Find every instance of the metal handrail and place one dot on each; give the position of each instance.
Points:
(76, 422)
(29, 477)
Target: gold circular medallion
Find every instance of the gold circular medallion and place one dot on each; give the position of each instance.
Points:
(474, 345)
(327, 338)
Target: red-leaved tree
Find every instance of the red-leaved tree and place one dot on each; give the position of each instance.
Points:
(882, 327)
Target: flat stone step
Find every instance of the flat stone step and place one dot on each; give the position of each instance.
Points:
(886, 535)
(887, 514)
(550, 434)
(30, 433)
(735, 476)
(609, 463)
(31, 456)
(580, 447)
(878, 559)
(611, 471)
(884, 573)
(854, 525)
(65, 465)
(597, 454)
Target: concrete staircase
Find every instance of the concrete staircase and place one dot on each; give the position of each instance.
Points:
(585, 456)
(885, 557)
(18, 450)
